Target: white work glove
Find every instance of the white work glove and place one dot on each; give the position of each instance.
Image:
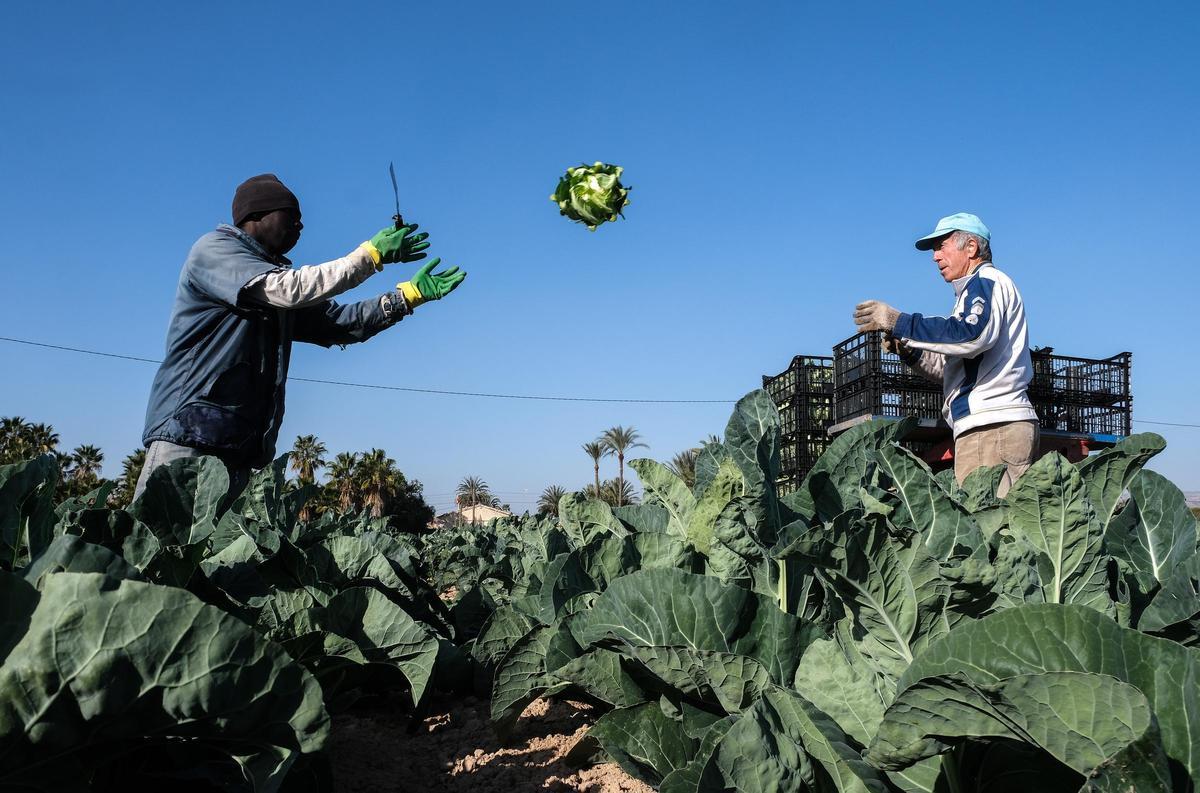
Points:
(875, 315)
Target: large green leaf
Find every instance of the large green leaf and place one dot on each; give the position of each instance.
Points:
(384, 633)
(1095, 724)
(842, 687)
(890, 584)
(752, 438)
(835, 483)
(726, 680)
(601, 673)
(727, 484)
(26, 510)
(1178, 601)
(664, 489)
(786, 743)
(521, 678)
(1155, 532)
(1049, 509)
(584, 519)
(647, 743)
(501, 631)
(1069, 638)
(945, 527)
(69, 554)
(108, 671)
(701, 774)
(670, 608)
(1108, 474)
(183, 499)
(609, 558)
(647, 518)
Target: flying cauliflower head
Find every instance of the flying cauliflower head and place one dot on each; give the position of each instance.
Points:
(591, 194)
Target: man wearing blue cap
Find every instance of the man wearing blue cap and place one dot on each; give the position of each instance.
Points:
(980, 353)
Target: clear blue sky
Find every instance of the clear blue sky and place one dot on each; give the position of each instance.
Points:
(783, 158)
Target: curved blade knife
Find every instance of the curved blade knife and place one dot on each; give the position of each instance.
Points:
(396, 190)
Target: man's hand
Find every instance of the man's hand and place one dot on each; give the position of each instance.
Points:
(427, 285)
(875, 315)
(393, 245)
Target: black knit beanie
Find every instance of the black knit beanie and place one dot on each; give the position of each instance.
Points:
(262, 193)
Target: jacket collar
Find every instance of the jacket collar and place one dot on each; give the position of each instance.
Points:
(253, 244)
(961, 283)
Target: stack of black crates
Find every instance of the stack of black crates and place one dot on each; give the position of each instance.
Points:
(1073, 395)
(804, 395)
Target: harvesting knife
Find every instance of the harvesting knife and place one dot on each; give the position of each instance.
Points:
(396, 191)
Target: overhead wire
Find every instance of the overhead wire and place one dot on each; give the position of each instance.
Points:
(381, 387)
(448, 392)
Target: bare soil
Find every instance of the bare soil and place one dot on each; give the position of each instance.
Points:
(377, 749)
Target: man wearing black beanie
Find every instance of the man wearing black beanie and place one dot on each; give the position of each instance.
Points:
(239, 306)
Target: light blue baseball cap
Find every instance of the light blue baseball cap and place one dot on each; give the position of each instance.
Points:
(962, 221)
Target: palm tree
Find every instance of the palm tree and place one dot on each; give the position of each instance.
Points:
(87, 460)
(595, 450)
(40, 438)
(710, 439)
(375, 474)
(618, 440)
(617, 493)
(12, 439)
(307, 457)
(548, 502)
(343, 476)
(472, 490)
(683, 465)
(131, 472)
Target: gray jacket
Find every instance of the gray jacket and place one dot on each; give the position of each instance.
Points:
(221, 387)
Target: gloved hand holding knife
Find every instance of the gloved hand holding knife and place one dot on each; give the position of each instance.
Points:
(397, 243)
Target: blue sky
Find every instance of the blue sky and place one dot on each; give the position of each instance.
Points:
(783, 157)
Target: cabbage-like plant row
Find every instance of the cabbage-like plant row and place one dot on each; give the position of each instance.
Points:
(879, 629)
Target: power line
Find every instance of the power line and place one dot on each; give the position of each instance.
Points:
(446, 392)
(376, 386)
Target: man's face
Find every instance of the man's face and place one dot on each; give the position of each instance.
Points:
(951, 261)
(279, 231)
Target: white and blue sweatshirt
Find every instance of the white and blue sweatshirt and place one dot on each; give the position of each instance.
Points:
(981, 352)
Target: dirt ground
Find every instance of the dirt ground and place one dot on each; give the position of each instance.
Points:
(374, 750)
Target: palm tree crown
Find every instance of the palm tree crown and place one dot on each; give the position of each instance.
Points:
(87, 460)
(307, 458)
(343, 476)
(548, 502)
(618, 440)
(595, 450)
(376, 475)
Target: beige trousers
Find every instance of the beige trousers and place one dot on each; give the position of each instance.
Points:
(1013, 445)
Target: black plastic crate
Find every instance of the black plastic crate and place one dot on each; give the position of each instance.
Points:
(1089, 395)
(879, 395)
(863, 355)
(807, 374)
(799, 451)
(805, 412)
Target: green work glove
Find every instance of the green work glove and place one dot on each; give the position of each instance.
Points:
(393, 245)
(427, 285)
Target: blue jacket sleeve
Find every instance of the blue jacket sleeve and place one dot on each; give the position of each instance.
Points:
(976, 330)
(330, 323)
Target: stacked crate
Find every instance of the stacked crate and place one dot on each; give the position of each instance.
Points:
(1070, 394)
(804, 395)
(869, 381)
(1082, 395)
